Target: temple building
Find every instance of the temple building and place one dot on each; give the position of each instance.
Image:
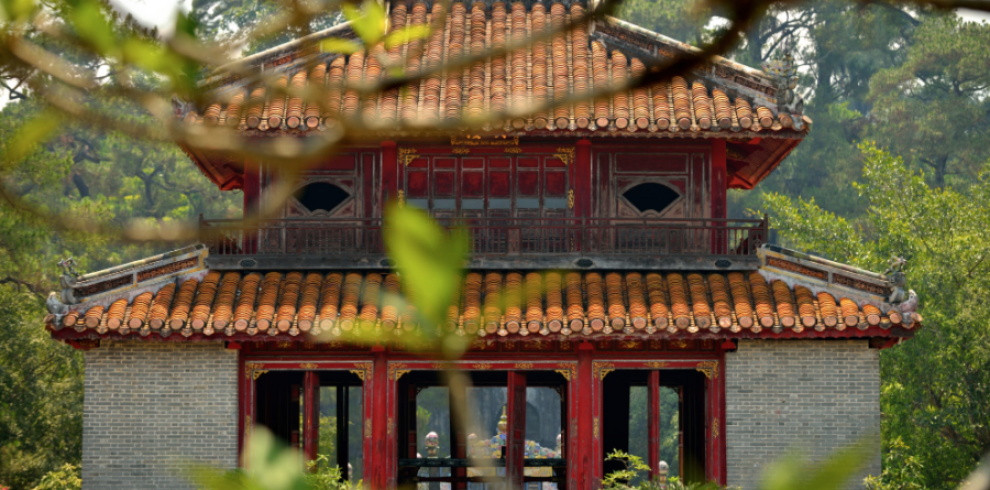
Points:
(609, 300)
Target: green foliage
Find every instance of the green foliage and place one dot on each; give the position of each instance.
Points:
(64, 478)
(901, 470)
(683, 20)
(932, 109)
(934, 387)
(325, 475)
(635, 470)
(40, 394)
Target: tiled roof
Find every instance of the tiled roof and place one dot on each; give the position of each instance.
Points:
(236, 304)
(574, 62)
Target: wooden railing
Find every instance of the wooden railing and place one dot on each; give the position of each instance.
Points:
(496, 237)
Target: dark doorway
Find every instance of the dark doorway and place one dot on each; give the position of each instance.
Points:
(279, 406)
(681, 415)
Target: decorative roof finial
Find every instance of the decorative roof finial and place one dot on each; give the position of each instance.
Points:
(784, 72)
(68, 266)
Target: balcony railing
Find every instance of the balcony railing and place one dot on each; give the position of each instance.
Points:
(496, 237)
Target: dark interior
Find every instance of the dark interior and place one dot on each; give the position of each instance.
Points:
(321, 196)
(650, 196)
(278, 408)
(616, 388)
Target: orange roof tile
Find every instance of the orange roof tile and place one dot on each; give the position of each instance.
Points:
(224, 305)
(581, 61)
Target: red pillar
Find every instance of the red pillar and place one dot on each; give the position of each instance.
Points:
(516, 432)
(653, 422)
(582, 179)
(584, 449)
(380, 472)
(719, 179)
(720, 237)
(311, 415)
(390, 172)
(252, 186)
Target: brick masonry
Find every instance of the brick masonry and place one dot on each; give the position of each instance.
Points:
(150, 407)
(812, 395)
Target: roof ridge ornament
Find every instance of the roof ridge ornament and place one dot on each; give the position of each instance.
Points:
(783, 71)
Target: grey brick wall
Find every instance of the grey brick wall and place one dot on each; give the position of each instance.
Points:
(814, 395)
(150, 407)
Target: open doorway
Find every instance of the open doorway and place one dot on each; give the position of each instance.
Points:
(656, 414)
(437, 454)
(336, 400)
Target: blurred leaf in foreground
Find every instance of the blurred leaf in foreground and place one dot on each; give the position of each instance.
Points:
(795, 470)
(430, 260)
(269, 465)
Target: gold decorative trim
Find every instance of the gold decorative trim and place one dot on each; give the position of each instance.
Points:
(596, 427)
(308, 366)
(390, 427)
(656, 364)
(396, 370)
(567, 370)
(523, 365)
(570, 199)
(363, 368)
(513, 150)
(715, 429)
(401, 198)
(565, 155)
(253, 370)
(481, 366)
(461, 151)
(602, 369)
(478, 140)
(708, 368)
(367, 428)
(407, 155)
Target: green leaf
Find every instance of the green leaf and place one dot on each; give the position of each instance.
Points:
(91, 25)
(269, 466)
(342, 46)
(428, 258)
(33, 133)
(833, 473)
(368, 23)
(407, 34)
(16, 10)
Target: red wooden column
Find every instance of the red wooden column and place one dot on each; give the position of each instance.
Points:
(653, 422)
(719, 179)
(380, 471)
(583, 451)
(311, 414)
(516, 432)
(390, 172)
(720, 239)
(582, 179)
(252, 197)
